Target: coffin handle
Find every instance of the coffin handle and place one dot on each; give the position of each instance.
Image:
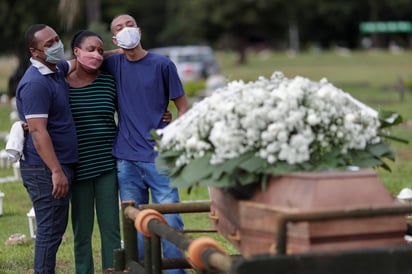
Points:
(234, 236)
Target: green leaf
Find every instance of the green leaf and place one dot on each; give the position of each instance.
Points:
(167, 163)
(154, 135)
(390, 155)
(169, 154)
(217, 172)
(264, 181)
(175, 171)
(197, 169)
(224, 181)
(389, 118)
(378, 149)
(253, 164)
(181, 183)
(381, 150)
(367, 162)
(282, 168)
(386, 167)
(230, 165)
(234, 163)
(393, 138)
(243, 177)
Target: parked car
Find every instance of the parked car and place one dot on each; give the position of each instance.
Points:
(192, 62)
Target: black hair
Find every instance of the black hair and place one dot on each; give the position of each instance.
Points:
(29, 35)
(79, 37)
(117, 16)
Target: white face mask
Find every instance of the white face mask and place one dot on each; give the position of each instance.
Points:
(55, 54)
(128, 38)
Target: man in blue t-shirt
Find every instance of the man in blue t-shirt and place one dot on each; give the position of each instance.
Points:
(50, 148)
(146, 82)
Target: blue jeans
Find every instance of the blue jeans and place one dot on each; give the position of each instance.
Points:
(51, 214)
(135, 179)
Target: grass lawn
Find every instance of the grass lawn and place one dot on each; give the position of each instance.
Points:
(371, 77)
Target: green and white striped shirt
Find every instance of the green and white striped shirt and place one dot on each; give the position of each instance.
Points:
(93, 108)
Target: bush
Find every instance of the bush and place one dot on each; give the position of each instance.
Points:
(193, 87)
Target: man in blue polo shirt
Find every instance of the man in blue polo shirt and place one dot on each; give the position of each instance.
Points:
(50, 149)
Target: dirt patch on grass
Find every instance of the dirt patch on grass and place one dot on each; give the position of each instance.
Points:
(408, 124)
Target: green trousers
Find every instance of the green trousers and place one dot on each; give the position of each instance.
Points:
(99, 195)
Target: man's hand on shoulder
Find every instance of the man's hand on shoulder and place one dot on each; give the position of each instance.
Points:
(107, 53)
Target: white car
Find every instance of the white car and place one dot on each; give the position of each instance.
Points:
(192, 62)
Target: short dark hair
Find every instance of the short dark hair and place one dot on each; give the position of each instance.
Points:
(30, 32)
(79, 36)
(117, 16)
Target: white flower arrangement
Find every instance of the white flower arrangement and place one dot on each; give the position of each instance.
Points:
(245, 131)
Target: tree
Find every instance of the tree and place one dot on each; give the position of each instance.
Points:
(332, 23)
(70, 10)
(239, 23)
(236, 25)
(15, 17)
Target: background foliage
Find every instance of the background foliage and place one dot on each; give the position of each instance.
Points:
(223, 24)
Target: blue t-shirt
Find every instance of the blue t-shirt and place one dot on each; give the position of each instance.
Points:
(46, 96)
(144, 88)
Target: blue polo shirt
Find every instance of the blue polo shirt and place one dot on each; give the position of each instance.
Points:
(43, 93)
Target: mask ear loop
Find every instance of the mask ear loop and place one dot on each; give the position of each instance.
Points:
(75, 50)
(37, 55)
(114, 40)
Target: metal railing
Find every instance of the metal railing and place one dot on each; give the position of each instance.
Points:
(203, 254)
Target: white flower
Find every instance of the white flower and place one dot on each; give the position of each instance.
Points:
(278, 119)
(313, 119)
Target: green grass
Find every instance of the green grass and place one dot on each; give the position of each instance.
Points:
(376, 69)
(5, 124)
(370, 77)
(7, 66)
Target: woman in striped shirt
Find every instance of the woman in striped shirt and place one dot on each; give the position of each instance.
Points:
(93, 105)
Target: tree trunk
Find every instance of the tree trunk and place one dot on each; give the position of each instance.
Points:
(374, 17)
(294, 37)
(241, 50)
(23, 58)
(93, 11)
